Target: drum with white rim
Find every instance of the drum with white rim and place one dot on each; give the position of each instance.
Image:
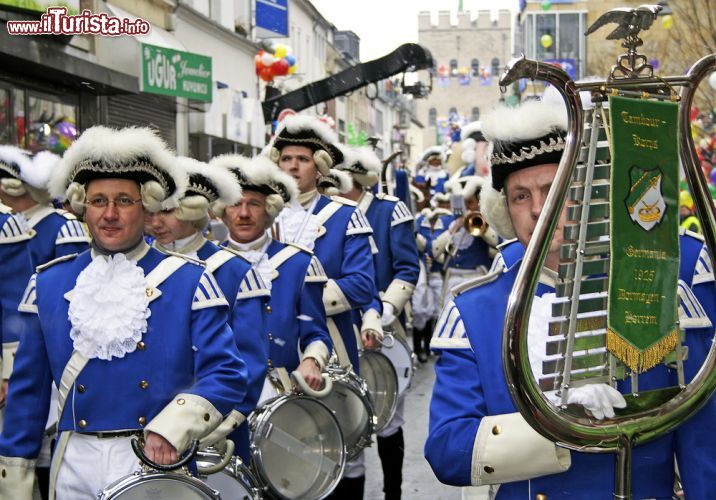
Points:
(154, 484)
(397, 350)
(382, 382)
(350, 403)
(233, 482)
(297, 448)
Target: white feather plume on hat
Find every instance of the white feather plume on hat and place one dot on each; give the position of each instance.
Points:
(336, 183)
(466, 186)
(217, 185)
(362, 163)
(103, 152)
(43, 163)
(529, 120)
(434, 151)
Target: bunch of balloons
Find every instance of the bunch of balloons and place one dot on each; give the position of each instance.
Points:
(280, 63)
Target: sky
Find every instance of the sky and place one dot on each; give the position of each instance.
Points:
(383, 25)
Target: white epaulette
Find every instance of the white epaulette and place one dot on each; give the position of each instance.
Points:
(51, 263)
(505, 243)
(685, 232)
(315, 272)
(14, 230)
(28, 303)
(387, 197)
(358, 224)
(474, 283)
(207, 293)
(344, 201)
(691, 312)
(449, 330)
(72, 231)
(252, 286)
(400, 214)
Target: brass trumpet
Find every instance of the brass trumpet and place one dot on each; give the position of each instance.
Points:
(475, 224)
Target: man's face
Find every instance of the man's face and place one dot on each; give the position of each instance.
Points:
(472, 204)
(526, 192)
(435, 162)
(247, 219)
(166, 228)
(112, 227)
(297, 161)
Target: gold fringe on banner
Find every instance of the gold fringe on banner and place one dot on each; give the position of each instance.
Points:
(641, 360)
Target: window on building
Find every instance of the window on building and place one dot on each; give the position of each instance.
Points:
(453, 67)
(341, 131)
(475, 115)
(378, 122)
(453, 113)
(52, 124)
(433, 117)
(475, 66)
(5, 131)
(555, 37)
(495, 67)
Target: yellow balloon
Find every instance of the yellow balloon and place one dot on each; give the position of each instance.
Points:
(292, 69)
(546, 41)
(280, 52)
(667, 22)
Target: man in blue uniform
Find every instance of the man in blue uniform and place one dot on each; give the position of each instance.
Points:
(396, 273)
(463, 255)
(299, 337)
(475, 151)
(336, 231)
(23, 187)
(432, 171)
(471, 409)
(120, 323)
(179, 231)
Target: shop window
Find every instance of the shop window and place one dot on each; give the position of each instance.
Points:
(432, 117)
(52, 125)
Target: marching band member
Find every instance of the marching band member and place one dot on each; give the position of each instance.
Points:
(337, 232)
(298, 336)
(463, 255)
(426, 298)
(179, 231)
(396, 272)
(432, 171)
(23, 187)
(475, 151)
(137, 341)
(471, 402)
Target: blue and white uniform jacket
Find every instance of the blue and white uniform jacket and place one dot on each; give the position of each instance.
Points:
(248, 298)
(427, 233)
(59, 233)
(470, 392)
(395, 253)
(343, 248)
(184, 376)
(15, 270)
(436, 176)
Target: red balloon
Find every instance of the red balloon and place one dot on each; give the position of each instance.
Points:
(258, 63)
(280, 67)
(266, 74)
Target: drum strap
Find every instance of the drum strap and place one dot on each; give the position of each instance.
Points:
(284, 378)
(78, 361)
(218, 259)
(338, 344)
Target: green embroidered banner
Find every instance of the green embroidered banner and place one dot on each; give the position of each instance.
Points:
(644, 232)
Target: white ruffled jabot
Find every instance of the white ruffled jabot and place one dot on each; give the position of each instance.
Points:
(109, 308)
(298, 225)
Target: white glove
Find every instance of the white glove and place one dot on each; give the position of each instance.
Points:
(388, 316)
(599, 399)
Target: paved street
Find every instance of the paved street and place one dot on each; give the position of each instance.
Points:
(419, 482)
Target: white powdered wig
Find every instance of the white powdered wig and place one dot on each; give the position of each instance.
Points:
(534, 119)
(434, 150)
(113, 150)
(363, 164)
(221, 181)
(493, 206)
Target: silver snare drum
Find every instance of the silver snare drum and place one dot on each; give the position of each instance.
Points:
(399, 353)
(382, 382)
(352, 407)
(143, 485)
(233, 482)
(297, 448)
